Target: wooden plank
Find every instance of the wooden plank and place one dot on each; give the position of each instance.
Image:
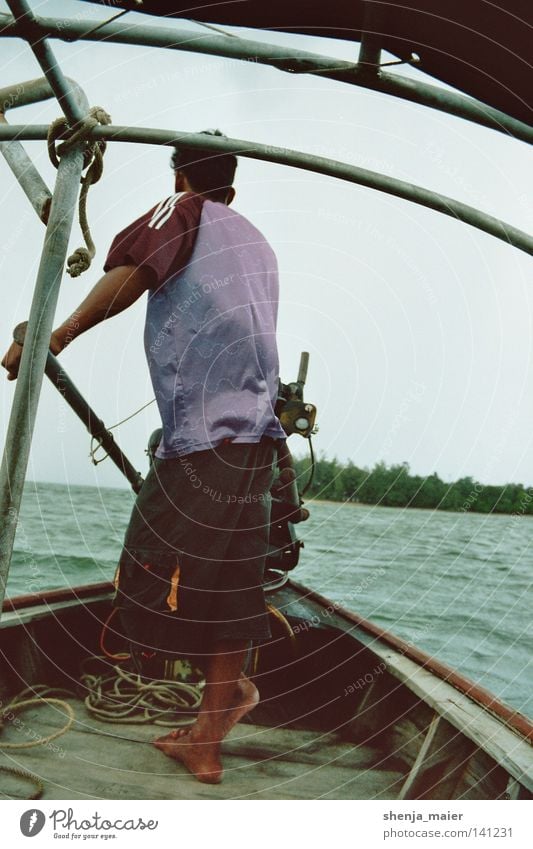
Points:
(103, 761)
(512, 791)
(420, 758)
(507, 748)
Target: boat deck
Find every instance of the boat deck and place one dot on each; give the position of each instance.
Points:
(98, 760)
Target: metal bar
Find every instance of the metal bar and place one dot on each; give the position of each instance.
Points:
(35, 91)
(285, 59)
(321, 165)
(30, 181)
(46, 59)
(26, 132)
(308, 162)
(370, 50)
(96, 427)
(25, 172)
(28, 387)
(304, 366)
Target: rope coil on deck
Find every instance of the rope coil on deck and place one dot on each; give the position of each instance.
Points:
(93, 162)
(125, 697)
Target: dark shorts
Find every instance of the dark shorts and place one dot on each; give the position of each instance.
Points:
(191, 570)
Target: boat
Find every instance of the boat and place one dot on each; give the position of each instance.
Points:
(348, 710)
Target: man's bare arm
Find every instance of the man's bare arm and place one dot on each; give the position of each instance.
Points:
(117, 290)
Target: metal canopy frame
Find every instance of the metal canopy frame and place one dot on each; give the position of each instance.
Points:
(366, 72)
(57, 210)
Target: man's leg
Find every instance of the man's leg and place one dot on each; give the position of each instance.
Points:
(199, 749)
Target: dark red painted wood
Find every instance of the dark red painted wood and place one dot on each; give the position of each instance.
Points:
(53, 596)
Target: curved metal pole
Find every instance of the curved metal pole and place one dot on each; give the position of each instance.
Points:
(35, 352)
(318, 164)
(37, 90)
(283, 58)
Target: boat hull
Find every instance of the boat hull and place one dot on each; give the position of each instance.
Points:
(347, 710)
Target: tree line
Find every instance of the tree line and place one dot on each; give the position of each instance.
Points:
(395, 486)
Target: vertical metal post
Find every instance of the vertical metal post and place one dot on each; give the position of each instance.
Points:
(35, 351)
(370, 50)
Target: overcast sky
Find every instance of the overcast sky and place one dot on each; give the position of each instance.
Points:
(419, 327)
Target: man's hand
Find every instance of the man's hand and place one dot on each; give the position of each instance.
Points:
(114, 292)
(11, 360)
(13, 355)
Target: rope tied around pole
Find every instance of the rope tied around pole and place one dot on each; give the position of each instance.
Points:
(93, 165)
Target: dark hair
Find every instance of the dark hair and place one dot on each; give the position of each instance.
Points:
(207, 171)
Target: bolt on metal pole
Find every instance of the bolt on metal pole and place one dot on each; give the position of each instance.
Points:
(35, 352)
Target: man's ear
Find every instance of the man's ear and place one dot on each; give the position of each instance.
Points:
(179, 181)
(230, 196)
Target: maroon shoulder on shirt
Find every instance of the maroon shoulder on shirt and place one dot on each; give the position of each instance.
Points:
(162, 239)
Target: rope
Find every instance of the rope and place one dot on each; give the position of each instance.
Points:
(312, 468)
(125, 697)
(93, 161)
(215, 29)
(93, 449)
(277, 614)
(123, 655)
(28, 776)
(18, 704)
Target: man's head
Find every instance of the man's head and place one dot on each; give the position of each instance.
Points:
(205, 171)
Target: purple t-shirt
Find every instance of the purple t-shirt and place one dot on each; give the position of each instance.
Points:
(210, 333)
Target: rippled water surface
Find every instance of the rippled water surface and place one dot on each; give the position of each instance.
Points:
(456, 585)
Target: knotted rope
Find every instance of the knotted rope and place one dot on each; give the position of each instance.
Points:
(93, 164)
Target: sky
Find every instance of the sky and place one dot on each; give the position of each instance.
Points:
(419, 328)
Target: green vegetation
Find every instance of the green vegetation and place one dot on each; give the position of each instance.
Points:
(394, 486)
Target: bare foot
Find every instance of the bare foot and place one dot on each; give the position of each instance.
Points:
(202, 759)
(246, 699)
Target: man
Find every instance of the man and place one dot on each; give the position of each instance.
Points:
(190, 574)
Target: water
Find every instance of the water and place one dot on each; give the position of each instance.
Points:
(456, 585)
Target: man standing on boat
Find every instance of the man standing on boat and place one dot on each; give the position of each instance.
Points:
(195, 547)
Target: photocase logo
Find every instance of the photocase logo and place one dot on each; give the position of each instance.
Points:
(32, 822)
